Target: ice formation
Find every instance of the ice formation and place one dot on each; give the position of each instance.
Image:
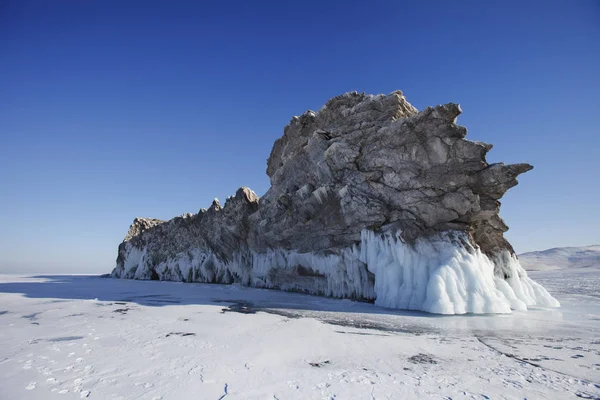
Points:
(370, 199)
(442, 274)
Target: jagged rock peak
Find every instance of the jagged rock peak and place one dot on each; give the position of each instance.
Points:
(363, 192)
(366, 107)
(377, 161)
(340, 114)
(140, 225)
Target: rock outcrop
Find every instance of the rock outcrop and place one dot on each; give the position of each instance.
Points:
(369, 199)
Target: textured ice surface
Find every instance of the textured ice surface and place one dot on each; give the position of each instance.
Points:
(443, 274)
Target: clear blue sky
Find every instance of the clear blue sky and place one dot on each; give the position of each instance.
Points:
(115, 109)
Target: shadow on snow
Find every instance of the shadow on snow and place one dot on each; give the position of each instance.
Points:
(165, 293)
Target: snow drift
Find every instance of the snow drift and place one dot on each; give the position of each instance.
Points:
(370, 199)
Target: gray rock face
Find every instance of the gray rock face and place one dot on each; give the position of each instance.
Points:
(362, 163)
(374, 161)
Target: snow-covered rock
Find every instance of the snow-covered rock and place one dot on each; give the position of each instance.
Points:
(370, 199)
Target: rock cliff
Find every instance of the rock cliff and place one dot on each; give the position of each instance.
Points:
(370, 199)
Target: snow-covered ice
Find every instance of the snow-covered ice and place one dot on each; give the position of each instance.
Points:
(97, 338)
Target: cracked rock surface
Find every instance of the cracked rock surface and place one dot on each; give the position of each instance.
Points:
(376, 162)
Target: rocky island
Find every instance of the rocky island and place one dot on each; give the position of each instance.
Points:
(370, 199)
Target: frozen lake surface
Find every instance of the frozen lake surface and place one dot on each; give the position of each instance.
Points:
(90, 337)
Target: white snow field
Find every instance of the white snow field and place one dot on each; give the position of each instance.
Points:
(71, 337)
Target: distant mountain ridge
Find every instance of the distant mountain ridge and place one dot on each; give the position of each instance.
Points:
(562, 258)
